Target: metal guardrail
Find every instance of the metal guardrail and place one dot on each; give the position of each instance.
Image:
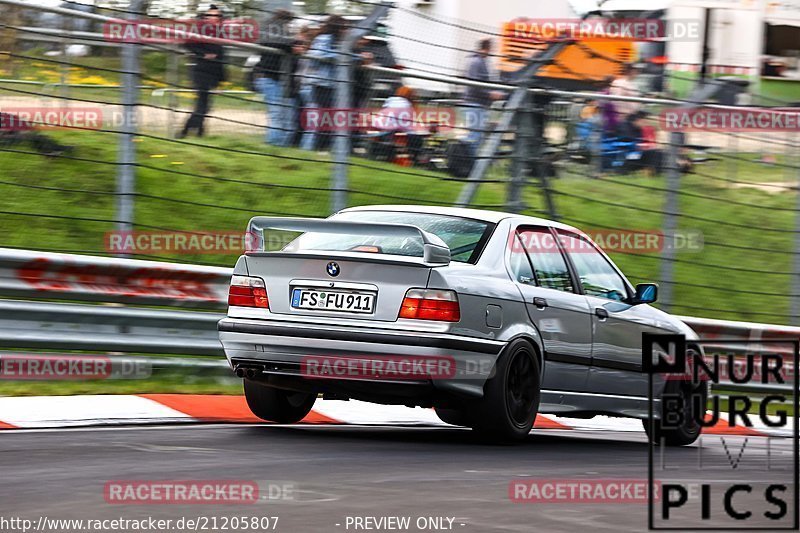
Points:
(65, 326)
(113, 292)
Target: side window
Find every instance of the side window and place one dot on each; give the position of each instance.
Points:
(548, 264)
(520, 266)
(597, 276)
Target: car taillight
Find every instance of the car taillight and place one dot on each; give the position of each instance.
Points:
(247, 291)
(430, 304)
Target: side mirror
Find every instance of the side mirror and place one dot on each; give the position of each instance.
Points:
(646, 293)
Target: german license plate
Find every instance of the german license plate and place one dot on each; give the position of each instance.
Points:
(325, 300)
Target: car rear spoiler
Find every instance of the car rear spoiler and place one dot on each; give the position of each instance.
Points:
(435, 251)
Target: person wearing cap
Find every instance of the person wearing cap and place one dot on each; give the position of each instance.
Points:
(208, 72)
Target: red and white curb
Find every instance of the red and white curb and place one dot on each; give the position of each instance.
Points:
(29, 412)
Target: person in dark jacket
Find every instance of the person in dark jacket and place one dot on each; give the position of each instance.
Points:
(274, 78)
(208, 72)
(363, 77)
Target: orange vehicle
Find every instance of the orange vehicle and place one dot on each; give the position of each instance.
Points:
(582, 65)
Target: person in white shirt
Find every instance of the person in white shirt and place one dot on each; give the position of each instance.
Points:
(397, 113)
(625, 85)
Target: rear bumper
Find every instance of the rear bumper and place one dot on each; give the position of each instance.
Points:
(279, 348)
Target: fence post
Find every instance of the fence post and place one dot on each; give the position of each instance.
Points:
(701, 93)
(540, 167)
(596, 145)
(66, 26)
(528, 158)
(173, 79)
(8, 39)
(670, 223)
(344, 66)
(521, 162)
(341, 146)
(126, 173)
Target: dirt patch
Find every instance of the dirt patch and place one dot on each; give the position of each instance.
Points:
(766, 186)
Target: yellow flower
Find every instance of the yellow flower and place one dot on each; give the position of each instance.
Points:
(89, 80)
(50, 75)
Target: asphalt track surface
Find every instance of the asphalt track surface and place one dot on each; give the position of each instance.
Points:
(350, 471)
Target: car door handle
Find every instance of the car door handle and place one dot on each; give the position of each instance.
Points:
(539, 302)
(601, 313)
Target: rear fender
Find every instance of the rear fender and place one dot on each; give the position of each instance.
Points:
(485, 296)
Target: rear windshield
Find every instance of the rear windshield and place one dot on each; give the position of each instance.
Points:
(465, 237)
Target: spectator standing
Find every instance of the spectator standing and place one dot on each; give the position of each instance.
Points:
(363, 76)
(363, 80)
(323, 53)
(274, 78)
(303, 81)
(296, 86)
(208, 72)
(479, 99)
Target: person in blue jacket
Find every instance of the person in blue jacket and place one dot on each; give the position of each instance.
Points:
(323, 52)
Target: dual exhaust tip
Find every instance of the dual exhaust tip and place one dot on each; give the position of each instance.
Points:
(246, 372)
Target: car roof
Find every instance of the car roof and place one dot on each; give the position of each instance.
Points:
(476, 214)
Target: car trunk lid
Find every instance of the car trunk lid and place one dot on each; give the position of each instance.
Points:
(384, 283)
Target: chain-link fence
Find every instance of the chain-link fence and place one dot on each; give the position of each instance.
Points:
(191, 137)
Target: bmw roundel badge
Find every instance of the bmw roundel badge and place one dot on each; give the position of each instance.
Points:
(333, 269)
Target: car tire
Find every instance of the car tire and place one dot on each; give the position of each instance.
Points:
(454, 417)
(511, 397)
(687, 432)
(277, 405)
